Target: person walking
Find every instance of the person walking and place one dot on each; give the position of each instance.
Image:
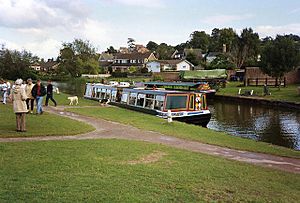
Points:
(50, 94)
(18, 97)
(30, 99)
(38, 91)
(4, 91)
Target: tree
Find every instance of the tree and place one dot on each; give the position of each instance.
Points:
(16, 64)
(199, 40)
(182, 46)
(245, 47)
(82, 48)
(111, 50)
(152, 46)
(280, 56)
(164, 51)
(131, 44)
(220, 37)
(78, 57)
(191, 57)
(222, 61)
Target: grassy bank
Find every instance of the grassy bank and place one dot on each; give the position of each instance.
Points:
(39, 125)
(127, 171)
(288, 93)
(183, 130)
(62, 99)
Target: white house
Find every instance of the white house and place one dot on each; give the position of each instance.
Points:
(176, 65)
(153, 66)
(169, 65)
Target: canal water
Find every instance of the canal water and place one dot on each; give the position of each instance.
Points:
(278, 126)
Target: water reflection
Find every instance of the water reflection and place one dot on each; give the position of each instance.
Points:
(73, 87)
(276, 126)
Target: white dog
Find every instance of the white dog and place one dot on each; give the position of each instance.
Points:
(73, 100)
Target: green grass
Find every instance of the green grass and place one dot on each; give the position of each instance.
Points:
(288, 93)
(98, 171)
(39, 125)
(183, 130)
(62, 99)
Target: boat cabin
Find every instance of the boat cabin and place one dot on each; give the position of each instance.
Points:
(160, 100)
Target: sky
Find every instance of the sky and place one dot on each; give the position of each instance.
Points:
(41, 26)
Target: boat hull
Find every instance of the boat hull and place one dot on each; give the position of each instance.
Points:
(202, 119)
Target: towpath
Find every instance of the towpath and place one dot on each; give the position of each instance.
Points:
(112, 130)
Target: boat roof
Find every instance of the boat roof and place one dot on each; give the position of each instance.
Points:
(144, 91)
(156, 92)
(181, 84)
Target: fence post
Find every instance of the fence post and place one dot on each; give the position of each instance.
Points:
(284, 81)
(170, 120)
(267, 81)
(256, 81)
(276, 82)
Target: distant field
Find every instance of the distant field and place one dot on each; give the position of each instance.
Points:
(289, 93)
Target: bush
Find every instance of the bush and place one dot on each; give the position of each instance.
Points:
(157, 78)
(119, 74)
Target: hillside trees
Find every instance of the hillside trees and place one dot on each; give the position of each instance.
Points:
(280, 56)
(78, 57)
(16, 64)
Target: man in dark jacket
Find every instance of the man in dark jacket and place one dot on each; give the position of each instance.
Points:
(38, 91)
(50, 93)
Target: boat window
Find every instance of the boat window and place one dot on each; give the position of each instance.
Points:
(192, 102)
(140, 100)
(108, 94)
(198, 102)
(149, 101)
(102, 95)
(176, 102)
(124, 97)
(204, 105)
(114, 95)
(94, 92)
(132, 98)
(119, 96)
(159, 102)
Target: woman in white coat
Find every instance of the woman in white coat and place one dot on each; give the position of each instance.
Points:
(19, 97)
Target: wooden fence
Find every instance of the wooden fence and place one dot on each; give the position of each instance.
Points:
(262, 81)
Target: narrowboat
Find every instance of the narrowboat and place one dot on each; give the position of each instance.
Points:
(190, 107)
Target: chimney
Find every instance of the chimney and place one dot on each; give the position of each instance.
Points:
(224, 48)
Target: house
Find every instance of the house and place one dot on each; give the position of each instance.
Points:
(123, 50)
(141, 48)
(183, 54)
(176, 65)
(122, 62)
(49, 66)
(153, 66)
(177, 55)
(169, 65)
(209, 57)
(106, 57)
(36, 66)
(105, 61)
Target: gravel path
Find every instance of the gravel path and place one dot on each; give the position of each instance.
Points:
(109, 130)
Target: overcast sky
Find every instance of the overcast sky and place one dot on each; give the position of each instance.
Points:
(41, 26)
